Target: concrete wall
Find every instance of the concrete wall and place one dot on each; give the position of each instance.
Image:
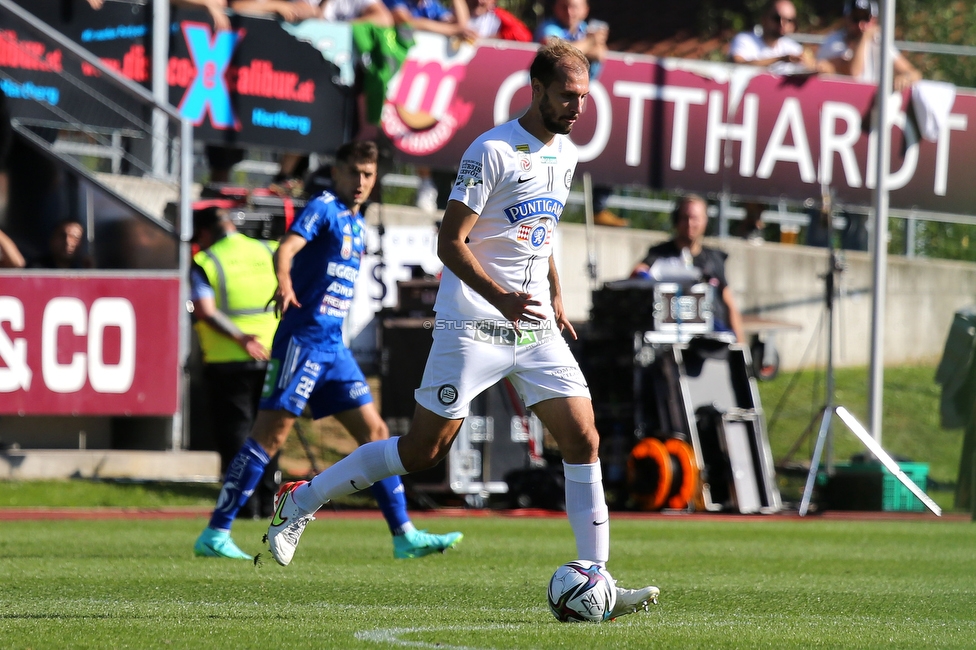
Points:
(785, 283)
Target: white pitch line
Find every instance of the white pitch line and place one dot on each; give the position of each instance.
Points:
(392, 635)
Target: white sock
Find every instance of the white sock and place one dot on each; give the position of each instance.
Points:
(372, 462)
(586, 507)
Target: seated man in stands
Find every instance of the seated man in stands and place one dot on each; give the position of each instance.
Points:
(64, 248)
(690, 220)
(769, 43)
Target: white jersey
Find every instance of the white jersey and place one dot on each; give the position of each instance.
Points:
(751, 47)
(519, 187)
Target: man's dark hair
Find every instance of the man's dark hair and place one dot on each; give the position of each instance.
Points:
(549, 57)
(358, 151)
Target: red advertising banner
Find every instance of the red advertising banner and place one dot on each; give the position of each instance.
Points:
(691, 125)
(88, 345)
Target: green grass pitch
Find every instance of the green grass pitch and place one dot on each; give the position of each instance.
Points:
(748, 582)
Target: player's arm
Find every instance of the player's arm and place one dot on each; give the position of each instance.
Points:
(284, 296)
(555, 292)
(453, 251)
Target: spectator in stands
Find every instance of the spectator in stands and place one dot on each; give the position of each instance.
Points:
(855, 50)
(64, 248)
(769, 43)
(10, 257)
(231, 281)
(568, 22)
(432, 16)
(489, 21)
(690, 220)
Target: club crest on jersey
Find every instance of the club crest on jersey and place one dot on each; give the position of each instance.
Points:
(542, 207)
(536, 236)
(447, 394)
(525, 161)
(346, 250)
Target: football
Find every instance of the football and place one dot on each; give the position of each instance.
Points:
(581, 591)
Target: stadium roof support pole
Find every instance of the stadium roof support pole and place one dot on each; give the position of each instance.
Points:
(885, 83)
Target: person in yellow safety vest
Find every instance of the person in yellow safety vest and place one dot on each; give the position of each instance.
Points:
(231, 283)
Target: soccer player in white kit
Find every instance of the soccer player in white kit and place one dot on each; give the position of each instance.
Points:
(499, 314)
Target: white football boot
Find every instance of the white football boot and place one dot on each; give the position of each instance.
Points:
(630, 601)
(287, 524)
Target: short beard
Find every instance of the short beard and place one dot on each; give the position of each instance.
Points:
(548, 121)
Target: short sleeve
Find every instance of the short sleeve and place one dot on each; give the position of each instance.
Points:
(477, 175)
(317, 215)
(199, 284)
(745, 46)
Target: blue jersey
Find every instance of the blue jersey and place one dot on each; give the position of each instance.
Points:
(323, 273)
(430, 9)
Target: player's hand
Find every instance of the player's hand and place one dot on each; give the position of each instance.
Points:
(284, 298)
(562, 322)
(516, 307)
(254, 348)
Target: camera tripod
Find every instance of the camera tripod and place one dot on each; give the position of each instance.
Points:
(824, 436)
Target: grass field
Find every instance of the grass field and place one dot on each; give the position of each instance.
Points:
(743, 583)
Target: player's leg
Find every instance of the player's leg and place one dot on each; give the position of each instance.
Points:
(551, 383)
(366, 425)
(291, 375)
(242, 476)
(447, 387)
(570, 421)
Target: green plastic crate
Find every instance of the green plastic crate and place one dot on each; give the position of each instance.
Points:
(870, 486)
(896, 497)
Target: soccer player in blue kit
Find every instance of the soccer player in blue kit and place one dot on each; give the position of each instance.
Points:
(499, 315)
(316, 265)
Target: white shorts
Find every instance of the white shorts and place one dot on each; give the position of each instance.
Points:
(465, 362)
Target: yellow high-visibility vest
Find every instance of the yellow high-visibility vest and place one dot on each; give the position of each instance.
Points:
(241, 271)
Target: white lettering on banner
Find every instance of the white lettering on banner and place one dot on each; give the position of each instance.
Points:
(111, 378)
(62, 377)
(843, 144)
(716, 131)
(87, 366)
(790, 120)
(816, 148)
(13, 353)
(954, 123)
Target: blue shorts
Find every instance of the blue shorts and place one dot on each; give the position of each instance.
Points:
(327, 381)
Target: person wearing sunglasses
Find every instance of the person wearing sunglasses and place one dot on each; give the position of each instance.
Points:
(769, 44)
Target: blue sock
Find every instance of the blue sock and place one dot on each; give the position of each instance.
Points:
(392, 499)
(243, 475)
